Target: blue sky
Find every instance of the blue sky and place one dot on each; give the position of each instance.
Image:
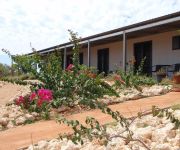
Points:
(44, 23)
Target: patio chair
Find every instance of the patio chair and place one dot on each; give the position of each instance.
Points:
(159, 72)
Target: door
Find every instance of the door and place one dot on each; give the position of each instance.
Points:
(103, 60)
(143, 50)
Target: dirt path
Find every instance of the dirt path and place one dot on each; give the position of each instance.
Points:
(8, 91)
(25, 135)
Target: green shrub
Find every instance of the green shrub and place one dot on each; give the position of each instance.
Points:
(130, 78)
(77, 84)
(5, 70)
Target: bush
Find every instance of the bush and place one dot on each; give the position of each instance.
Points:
(77, 84)
(130, 78)
(5, 70)
(37, 102)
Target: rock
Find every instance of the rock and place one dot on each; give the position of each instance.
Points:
(10, 125)
(176, 140)
(160, 135)
(33, 147)
(70, 146)
(4, 121)
(142, 133)
(164, 146)
(20, 120)
(62, 109)
(131, 93)
(172, 134)
(42, 145)
(29, 117)
(115, 143)
(35, 114)
(177, 114)
(154, 90)
(5, 114)
(54, 146)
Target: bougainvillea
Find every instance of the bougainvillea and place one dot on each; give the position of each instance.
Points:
(45, 95)
(70, 67)
(20, 100)
(38, 101)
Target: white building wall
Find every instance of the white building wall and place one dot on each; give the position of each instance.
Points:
(162, 52)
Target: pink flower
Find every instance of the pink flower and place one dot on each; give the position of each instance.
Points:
(70, 67)
(20, 100)
(45, 95)
(39, 103)
(32, 96)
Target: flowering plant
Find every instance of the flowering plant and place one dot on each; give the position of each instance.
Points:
(70, 67)
(38, 101)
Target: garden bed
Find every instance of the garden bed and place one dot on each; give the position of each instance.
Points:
(157, 133)
(133, 94)
(12, 115)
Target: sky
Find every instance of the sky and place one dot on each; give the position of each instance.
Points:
(44, 23)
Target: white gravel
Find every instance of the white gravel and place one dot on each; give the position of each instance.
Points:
(156, 133)
(133, 94)
(13, 115)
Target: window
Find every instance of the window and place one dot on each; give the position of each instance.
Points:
(176, 42)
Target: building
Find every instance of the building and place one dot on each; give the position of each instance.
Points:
(157, 39)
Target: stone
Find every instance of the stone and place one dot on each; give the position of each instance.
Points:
(42, 145)
(35, 114)
(176, 140)
(4, 121)
(20, 120)
(164, 146)
(62, 109)
(131, 94)
(5, 114)
(161, 134)
(70, 146)
(10, 125)
(29, 117)
(54, 146)
(172, 134)
(145, 132)
(154, 90)
(177, 114)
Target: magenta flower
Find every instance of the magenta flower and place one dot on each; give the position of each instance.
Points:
(45, 95)
(39, 102)
(20, 100)
(32, 96)
(70, 67)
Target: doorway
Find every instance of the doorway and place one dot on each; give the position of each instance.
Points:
(143, 50)
(103, 60)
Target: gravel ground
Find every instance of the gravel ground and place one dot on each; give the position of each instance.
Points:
(156, 133)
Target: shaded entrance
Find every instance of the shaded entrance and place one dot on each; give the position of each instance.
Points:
(143, 50)
(103, 60)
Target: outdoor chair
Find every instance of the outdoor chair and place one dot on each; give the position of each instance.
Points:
(159, 72)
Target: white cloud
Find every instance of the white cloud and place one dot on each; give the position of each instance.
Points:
(44, 23)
